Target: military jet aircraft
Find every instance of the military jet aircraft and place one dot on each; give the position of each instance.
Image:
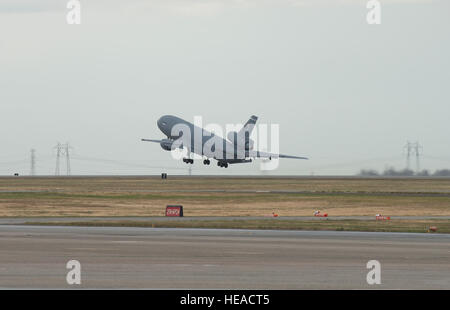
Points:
(237, 148)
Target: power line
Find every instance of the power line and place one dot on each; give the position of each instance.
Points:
(33, 162)
(67, 158)
(15, 162)
(355, 162)
(418, 149)
(58, 155)
(413, 149)
(62, 150)
(446, 159)
(121, 163)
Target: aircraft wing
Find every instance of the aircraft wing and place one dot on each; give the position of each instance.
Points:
(150, 140)
(258, 154)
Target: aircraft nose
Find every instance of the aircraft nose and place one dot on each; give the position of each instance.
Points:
(162, 123)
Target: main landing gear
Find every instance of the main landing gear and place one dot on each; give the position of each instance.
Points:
(206, 162)
(188, 160)
(221, 164)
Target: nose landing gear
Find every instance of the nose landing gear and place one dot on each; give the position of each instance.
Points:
(206, 162)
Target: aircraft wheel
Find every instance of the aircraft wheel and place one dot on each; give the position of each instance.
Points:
(226, 165)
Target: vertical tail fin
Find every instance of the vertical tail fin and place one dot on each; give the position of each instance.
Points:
(248, 127)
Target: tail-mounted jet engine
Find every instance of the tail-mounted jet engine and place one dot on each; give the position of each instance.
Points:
(232, 136)
(249, 145)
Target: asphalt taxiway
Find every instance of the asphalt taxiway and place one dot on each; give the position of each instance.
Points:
(167, 258)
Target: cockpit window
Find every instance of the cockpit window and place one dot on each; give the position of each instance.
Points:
(164, 123)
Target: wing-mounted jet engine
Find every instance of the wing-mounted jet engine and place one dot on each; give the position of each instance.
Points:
(166, 144)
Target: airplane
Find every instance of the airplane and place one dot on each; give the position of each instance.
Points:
(237, 148)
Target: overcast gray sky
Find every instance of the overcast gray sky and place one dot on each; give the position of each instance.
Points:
(347, 94)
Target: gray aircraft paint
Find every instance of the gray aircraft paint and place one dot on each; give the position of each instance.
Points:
(228, 152)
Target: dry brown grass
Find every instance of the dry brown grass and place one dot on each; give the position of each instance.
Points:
(127, 196)
(132, 184)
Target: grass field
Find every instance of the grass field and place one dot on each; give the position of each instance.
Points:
(417, 226)
(148, 196)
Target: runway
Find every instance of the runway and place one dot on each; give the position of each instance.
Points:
(36, 257)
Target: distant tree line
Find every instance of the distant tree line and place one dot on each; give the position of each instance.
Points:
(391, 172)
